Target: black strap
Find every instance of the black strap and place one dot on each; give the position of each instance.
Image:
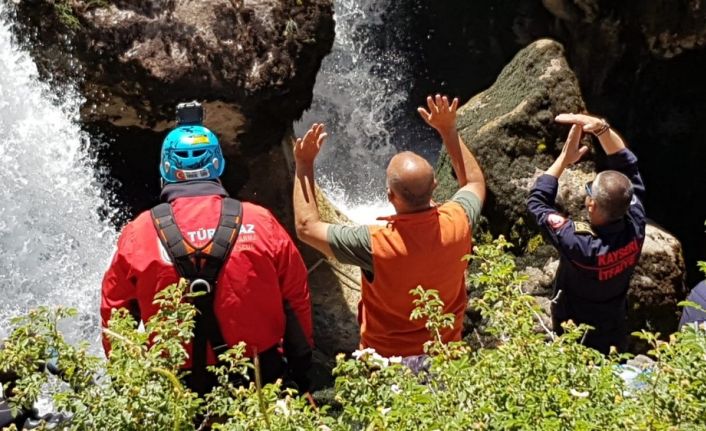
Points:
(201, 266)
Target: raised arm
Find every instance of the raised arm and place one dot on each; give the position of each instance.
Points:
(610, 140)
(620, 158)
(541, 201)
(307, 220)
(560, 230)
(442, 117)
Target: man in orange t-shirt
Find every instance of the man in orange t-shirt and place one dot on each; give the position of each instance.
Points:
(422, 244)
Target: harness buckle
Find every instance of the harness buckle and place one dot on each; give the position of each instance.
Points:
(199, 285)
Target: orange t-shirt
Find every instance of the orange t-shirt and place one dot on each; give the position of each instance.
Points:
(426, 249)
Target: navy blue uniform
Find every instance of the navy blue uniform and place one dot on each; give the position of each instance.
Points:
(597, 262)
(694, 315)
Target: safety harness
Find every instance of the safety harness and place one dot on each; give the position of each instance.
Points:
(201, 266)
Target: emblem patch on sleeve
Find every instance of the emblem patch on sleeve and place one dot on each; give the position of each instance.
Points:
(583, 228)
(556, 221)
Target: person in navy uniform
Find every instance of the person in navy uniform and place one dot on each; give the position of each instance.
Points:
(692, 314)
(597, 258)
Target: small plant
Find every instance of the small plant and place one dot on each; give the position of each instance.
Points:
(66, 13)
(541, 146)
(534, 243)
(430, 307)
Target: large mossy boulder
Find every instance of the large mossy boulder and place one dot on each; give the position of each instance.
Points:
(511, 130)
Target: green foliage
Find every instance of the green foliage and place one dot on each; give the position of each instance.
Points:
(530, 379)
(702, 267)
(65, 11)
(66, 14)
(534, 243)
(430, 307)
(139, 387)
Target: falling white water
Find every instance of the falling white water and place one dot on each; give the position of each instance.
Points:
(357, 94)
(53, 245)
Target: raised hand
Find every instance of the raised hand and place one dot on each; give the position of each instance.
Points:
(307, 148)
(610, 140)
(441, 115)
(588, 123)
(572, 151)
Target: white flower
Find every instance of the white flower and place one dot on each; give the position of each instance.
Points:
(396, 359)
(367, 351)
(380, 360)
(578, 394)
(395, 389)
(281, 407)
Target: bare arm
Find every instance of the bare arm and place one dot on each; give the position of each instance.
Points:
(307, 220)
(619, 157)
(610, 140)
(442, 117)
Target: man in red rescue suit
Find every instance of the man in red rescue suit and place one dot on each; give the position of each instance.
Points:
(260, 294)
(422, 244)
(597, 259)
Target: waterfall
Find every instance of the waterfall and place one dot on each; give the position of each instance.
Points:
(359, 94)
(54, 247)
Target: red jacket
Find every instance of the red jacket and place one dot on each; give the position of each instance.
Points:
(264, 271)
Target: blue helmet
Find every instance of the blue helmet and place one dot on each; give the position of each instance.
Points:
(191, 152)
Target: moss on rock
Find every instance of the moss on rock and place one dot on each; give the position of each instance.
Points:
(510, 128)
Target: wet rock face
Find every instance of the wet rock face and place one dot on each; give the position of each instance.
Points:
(511, 130)
(253, 63)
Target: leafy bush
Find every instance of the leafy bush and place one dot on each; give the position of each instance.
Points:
(527, 380)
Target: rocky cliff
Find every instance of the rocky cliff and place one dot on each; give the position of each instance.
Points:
(253, 63)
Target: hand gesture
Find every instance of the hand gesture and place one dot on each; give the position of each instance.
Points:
(572, 151)
(307, 148)
(440, 115)
(588, 123)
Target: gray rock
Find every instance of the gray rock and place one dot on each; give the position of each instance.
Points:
(658, 284)
(335, 294)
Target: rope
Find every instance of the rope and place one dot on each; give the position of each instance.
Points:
(354, 282)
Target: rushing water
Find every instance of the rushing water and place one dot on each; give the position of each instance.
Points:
(54, 246)
(359, 94)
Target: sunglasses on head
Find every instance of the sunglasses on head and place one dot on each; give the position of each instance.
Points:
(589, 190)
